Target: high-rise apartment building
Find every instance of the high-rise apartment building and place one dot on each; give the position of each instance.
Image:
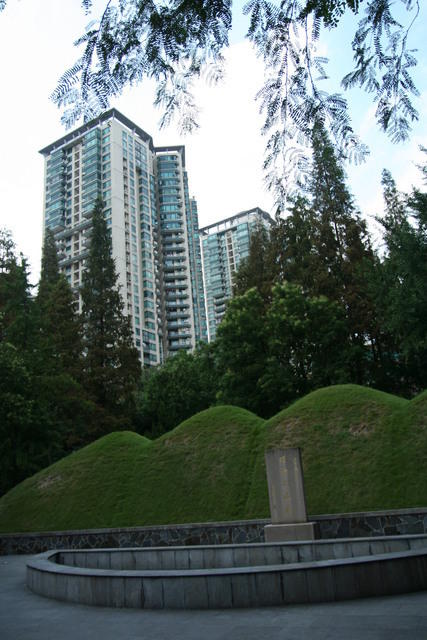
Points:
(224, 244)
(152, 220)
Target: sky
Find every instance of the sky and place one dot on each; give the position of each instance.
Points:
(224, 157)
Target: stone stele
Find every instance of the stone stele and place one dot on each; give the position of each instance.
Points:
(287, 497)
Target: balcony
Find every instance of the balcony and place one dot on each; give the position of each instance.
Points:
(176, 315)
(183, 294)
(176, 304)
(175, 325)
(172, 236)
(171, 285)
(73, 259)
(176, 346)
(174, 269)
(57, 227)
(72, 230)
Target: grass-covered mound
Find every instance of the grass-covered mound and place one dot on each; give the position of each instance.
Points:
(199, 471)
(362, 449)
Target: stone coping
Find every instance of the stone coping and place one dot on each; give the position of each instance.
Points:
(321, 580)
(47, 565)
(214, 524)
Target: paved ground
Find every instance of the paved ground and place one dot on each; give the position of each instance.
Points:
(25, 616)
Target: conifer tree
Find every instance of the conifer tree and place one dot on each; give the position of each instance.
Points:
(401, 293)
(28, 434)
(60, 326)
(49, 274)
(259, 268)
(295, 241)
(344, 258)
(112, 367)
(16, 306)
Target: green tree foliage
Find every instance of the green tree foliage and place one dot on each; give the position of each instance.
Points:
(260, 268)
(48, 405)
(308, 345)
(174, 391)
(43, 417)
(176, 41)
(59, 376)
(242, 353)
(268, 355)
(28, 440)
(343, 255)
(49, 275)
(323, 246)
(112, 367)
(16, 305)
(402, 295)
(22, 442)
(60, 326)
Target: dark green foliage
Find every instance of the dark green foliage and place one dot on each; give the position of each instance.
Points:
(24, 439)
(60, 327)
(308, 345)
(242, 353)
(268, 355)
(402, 293)
(260, 268)
(18, 445)
(294, 245)
(16, 305)
(49, 274)
(323, 246)
(344, 258)
(45, 403)
(111, 364)
(176, 390)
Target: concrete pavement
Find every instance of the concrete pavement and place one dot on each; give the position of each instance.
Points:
(25, 616)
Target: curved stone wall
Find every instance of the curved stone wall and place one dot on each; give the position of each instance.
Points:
(233, 575)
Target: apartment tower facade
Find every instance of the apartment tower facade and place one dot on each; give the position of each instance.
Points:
(224, 245)
(152, 220)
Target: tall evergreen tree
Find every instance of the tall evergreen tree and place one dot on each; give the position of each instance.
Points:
(7, 249)
(344, 258)
(30, 438)
(295, 240)
(60, 326)
(401, 293)
(17, 324)
(49, 274)
(112, 367)
(259, 269)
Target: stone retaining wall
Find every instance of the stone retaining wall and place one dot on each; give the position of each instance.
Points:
(349, 525)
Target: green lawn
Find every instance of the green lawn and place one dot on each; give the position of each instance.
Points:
(362, 449)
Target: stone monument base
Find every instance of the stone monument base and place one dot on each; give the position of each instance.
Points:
(288, 532)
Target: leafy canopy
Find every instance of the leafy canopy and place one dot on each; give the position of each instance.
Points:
(176, 41)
